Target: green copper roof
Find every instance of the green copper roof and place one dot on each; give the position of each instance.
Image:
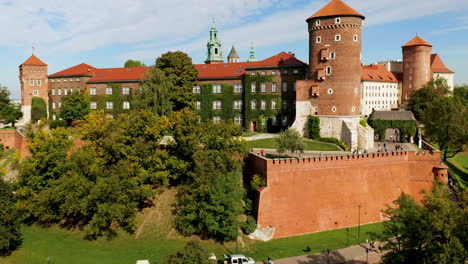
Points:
(252, 54)
(214, 46)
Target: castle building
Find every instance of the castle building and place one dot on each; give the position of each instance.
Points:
(233, 57)
(34, 83)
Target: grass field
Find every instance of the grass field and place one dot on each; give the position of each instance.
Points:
(6, 158)
(458, 168)
(269, 143)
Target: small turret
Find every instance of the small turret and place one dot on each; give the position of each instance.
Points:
(233, 57)
(214, 55)
(441, 173)
(252, 54)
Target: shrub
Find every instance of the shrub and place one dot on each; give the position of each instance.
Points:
(2, 148)
(335, 141)
(257, 182)
(314, 127)
(250, 225)
(38, 109)
(363, 122)
(57, 123)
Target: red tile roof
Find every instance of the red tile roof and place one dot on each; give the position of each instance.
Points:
(417, 41)
(119, 74)
(78, 70)
(232, 70)
(34, 61)
(377, 73)
(336, 8)
(437, 65)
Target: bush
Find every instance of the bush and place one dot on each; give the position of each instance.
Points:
(57, 123)
(38, 109)
(314, 127)
(335, 141)
(257, 182)
(250, 225)
(363, 122)
(2, 148)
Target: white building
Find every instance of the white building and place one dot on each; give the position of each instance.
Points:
(439, 69)
(380, 89)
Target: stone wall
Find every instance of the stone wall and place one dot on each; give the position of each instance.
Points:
(316, 194)
(11, 139)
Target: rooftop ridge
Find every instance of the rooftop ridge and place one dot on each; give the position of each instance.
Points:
(336, 8)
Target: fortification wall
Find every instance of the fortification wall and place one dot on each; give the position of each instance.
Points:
(11, 139)
(317, 194)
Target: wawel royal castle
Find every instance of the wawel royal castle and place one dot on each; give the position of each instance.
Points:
(270, 94)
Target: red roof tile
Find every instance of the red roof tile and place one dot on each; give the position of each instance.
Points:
(119, 74)
(34, 61)
(336, 8)
(238, 69)
(78, 70)
(377, 73)
(417, 41)
(437, 65)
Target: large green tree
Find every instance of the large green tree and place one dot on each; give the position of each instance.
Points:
(9, 112)
(74, 107)
(446, 123)
(191, 253)
(289, 140)
(155, 94)
(421, 99)
(133, 63)
(434, 232)
(10, 235)
(179, 68)
(461, 92)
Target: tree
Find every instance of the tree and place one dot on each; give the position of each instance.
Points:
(74, 107)
(289, 140)
(155, 94)
(314, 127)
(191, 253)
(179, 68)
(421, 99)
(8, 111)
(38, 109)
(434, 232)
(446, 123)
(10, 235)
(134, 63)
(461, 92)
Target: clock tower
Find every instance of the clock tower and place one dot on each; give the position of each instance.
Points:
(214, 54)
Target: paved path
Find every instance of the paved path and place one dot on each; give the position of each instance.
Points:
(350, 255)
(260, 136)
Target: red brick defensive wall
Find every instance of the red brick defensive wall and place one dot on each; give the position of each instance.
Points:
(11, 139)
(315, 194)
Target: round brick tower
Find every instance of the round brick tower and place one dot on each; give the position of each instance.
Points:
(416, 66)
(335, 59)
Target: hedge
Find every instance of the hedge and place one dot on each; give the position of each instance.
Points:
(38, 109)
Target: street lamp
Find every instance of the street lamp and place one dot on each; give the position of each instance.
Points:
(359, 223)
(420, 127)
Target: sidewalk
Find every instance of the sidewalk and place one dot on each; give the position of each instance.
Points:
(351, 255)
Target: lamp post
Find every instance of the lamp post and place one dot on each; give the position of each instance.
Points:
(359, 223)
(420, 127)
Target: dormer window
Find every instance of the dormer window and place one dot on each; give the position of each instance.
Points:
(337, 20)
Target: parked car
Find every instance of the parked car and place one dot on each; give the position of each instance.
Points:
(239, 259)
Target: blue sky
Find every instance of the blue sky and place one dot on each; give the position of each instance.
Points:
(106, 33)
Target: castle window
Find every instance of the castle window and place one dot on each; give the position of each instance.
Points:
(284, 121)
(264, 104)
(318, 40)
(238, 104)
(353, 109)
(273, 72)
(334, 109)
(329, 70)
(332, 55)
(92, 91)
(54, 117)
(71, 80)
(294, 86)
(125, 90)
(263, 121)
(71, 90)
(109, 90)
(317, 23)
(52, 80)
(39, 82)
(53, 105)
(285, 86)
(253, 73)
(337, 20)
(285, 71)
(263, 87)
(60, 105)
(238, 120)
(31, 82)
(77, 80)
(338, 37)
(64, 80)
(198, 105)
(217, 105)
(355, 38)
(217, 88)
(126, 105)
(53, 91)
(296, 71)
(273, 121)
(110, 105)
(59, 91)
(238, 88)
(216, 49)
(285, 105)
(273, 87)
(294, 104)
(196, 89)
(253, 87)
(216, 119)
(263, 73)
(58, 80)
(274, 104)
(253, 104)
(330, 91)
(65, 91)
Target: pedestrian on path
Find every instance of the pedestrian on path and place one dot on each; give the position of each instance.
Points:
(270, 260)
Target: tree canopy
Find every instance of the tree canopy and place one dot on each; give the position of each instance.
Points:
(289, 140)
(155, 94)
(191, 253)
(434, 232)
(74, 107)
(9, 112)
(179, 68)
(133, 63)
(421, 99)
(10, 235)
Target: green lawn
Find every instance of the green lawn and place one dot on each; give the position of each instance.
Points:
(458, 169)
(68, 247)
(6, 158)
(269, 143)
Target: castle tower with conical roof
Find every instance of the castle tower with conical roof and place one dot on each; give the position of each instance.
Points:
(416, 66)
(34, 83)
(233, 57)
(214, 54)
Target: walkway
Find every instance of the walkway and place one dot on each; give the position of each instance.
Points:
(351, 255)
(260, 136)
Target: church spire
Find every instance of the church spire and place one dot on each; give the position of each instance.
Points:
(214, 55)
(233, 57)
(252, 54)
